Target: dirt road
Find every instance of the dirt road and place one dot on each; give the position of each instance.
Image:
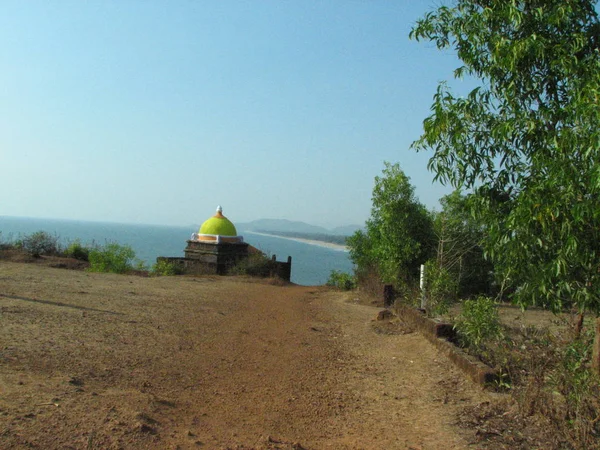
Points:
(98, 361)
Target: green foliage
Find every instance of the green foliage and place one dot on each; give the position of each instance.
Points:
(40, 243)
(255, 265)
(360, 247)
(399, 234)
(341, 280)
(459, 252)
(441, 288)
(580, 389)
(78, 251)
(112, 257)
(6, 243)
(526, 141)
(550, 375)
(575, 377)
(478, 322)
(165, 268)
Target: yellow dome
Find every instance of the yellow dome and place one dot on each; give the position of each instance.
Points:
(218, 225)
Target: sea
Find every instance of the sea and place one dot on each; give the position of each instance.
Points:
(311, 264)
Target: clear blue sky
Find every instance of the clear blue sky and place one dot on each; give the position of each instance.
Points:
(158, 111)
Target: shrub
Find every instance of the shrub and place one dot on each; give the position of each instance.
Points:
(441, 288)
(112, 257)
(40, 243)
(478, 322)
(255, 265)
(7, 243)
(165, 268)
(550, 375)
(78, 251)
(341, 280)
(368, 281)
(580, 389)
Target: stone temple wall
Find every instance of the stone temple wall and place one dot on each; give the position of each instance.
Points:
(202, 258)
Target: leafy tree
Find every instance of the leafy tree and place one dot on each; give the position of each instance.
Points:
(399, 235)
(459, 251)
(527, 141)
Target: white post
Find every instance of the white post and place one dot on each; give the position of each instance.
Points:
(422, 286)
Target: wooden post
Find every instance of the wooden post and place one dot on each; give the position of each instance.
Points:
(596, 349)
(388, 295)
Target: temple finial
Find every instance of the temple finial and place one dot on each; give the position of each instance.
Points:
(219, 209)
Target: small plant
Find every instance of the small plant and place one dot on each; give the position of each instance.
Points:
(255, 265)
(165, 268)
(441, 289)
(40, 243)
(78, 251)
(478, 323)
(341, 280)
(112, 257)
(580, 389)
(7, 243)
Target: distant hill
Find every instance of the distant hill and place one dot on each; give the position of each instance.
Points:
(280, 225)
(289, 226)
(346, 230)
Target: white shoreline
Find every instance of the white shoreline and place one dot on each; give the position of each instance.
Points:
(330, 245)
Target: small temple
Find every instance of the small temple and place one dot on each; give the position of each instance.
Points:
(218, 229)
(217, 248)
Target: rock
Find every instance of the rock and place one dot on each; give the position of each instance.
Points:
(386, 314)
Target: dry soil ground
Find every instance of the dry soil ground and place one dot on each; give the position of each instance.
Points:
(99, 361)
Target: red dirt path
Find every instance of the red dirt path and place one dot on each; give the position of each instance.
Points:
(101, 361)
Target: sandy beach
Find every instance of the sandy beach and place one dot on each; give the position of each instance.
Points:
(330, 245)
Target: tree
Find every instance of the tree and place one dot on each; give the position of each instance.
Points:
(398, 235)
(527, 141)
(459, 250)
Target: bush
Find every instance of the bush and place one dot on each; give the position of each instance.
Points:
(551, 375)
(78, 251)
(40, 243)
(341, 280)
(165, 268)
(478, 323)
(580, 389)
(441, 288)
(255, 265)
(112, 257)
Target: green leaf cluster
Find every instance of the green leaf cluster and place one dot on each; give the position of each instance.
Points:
(112, 257)
(478, 322)
(164, 268)
(341, 280)
(78, 251)
(526, 142)
(459, 254)
(398, 236)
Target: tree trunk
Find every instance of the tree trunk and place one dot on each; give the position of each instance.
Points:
(579, 325)
(596, 350)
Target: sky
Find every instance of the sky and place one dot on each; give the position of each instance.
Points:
(158, 111)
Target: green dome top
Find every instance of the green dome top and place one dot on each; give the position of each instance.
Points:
(218, 225)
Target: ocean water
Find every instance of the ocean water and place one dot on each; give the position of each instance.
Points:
(311, 264)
